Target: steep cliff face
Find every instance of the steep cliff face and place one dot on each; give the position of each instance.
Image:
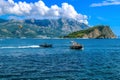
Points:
(62, 25)
(100, 31)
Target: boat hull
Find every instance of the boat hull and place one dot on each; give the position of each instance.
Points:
(46, 45)
(76, 47)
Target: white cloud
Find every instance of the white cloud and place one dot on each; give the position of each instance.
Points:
(39, 10)
(106, 3)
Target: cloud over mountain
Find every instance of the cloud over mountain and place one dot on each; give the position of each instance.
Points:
(39, 10)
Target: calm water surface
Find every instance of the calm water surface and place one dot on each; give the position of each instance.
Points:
(23, 59)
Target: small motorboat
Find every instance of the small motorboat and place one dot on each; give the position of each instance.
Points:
(76, 45)
(45, 45)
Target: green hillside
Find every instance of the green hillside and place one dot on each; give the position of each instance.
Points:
(99, 31)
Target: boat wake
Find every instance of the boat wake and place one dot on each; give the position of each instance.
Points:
(21, 47)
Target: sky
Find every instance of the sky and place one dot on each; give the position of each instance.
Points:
(91, 12)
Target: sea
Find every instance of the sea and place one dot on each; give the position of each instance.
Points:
(24, 59)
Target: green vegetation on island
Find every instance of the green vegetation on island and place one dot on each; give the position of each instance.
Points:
(99, 31)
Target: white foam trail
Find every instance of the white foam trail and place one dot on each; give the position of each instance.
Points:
(11, 47)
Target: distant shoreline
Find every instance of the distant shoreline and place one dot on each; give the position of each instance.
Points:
(59, 38)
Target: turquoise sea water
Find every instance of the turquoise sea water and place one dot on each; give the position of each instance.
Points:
(23, 59)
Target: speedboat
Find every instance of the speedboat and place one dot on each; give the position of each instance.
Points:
(45, 45)
(75, 45)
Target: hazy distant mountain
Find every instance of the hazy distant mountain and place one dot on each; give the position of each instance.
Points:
(32, 28)
(99, 31)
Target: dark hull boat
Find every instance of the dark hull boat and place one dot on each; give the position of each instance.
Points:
(76, 45)
(46, 45)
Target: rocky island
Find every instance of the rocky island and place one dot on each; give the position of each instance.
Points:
(99, 31)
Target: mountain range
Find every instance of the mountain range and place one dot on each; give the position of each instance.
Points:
(32, 28)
